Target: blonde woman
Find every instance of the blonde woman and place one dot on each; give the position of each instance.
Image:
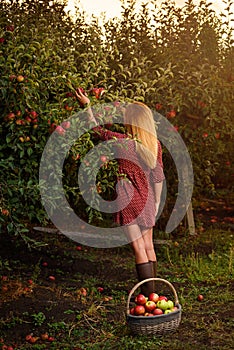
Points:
(140, 187)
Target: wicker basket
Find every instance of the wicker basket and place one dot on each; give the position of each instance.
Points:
(154, 325)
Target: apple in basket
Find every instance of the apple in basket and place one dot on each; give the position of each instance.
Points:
(139, 310)
(168, 311)
(157, 312)
(175, 308)
(170, 304)
(162, 297)
(150, 306)
(153, 297)
(162, 304)
(140, 299)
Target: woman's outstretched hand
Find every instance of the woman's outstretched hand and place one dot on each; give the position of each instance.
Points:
(83, 99)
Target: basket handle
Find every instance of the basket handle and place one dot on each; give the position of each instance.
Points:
(148, 280)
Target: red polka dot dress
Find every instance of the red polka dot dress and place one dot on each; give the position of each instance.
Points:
(135, 191)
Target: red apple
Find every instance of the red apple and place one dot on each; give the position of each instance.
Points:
(132, 311)
(28, 337)
(2, 40)
(171, 114)
(98, 92)
(83, 291)
(28, 119)
(10, 28)
(157, 312)
(140, 299)
(60, 130)
(150, 306)
(153, 297)
(33, 114)
(148, 314)
(10, 116)
(66, 124)
(103, 158)
(20, 122)
(33, 340)
(139, 310)
(51, 339)
(200, 297)
(12, 77)
(68, 108)
(69, 94)
(51, 278)
(44, 336)
(162, 297)
(158, 106)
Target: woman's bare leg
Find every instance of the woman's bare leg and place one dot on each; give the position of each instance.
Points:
(148, 243)
(137, 242)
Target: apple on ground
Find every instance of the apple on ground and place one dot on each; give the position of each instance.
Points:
(153, 297)
(139, 310)
(44, 336)
(150, 306)
(200, 297)
(140, 299)
(157, 312)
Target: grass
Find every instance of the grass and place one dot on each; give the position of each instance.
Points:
(202, 264)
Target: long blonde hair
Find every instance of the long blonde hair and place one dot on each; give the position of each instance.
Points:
(139, 122)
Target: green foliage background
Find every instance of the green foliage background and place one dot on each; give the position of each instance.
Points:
(177, 60)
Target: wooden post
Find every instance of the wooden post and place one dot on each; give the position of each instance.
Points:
(190, 218)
